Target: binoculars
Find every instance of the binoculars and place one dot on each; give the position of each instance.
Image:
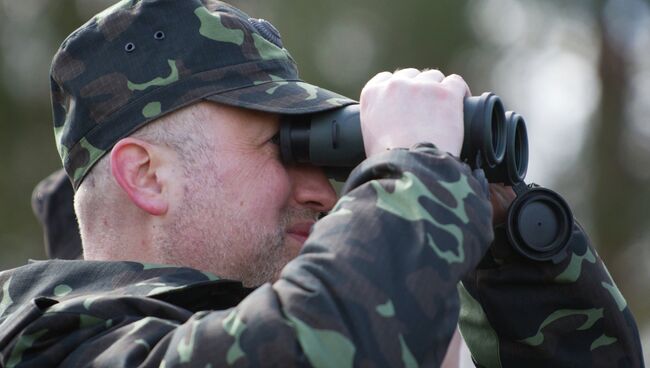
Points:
(495, 141)
(539, 222)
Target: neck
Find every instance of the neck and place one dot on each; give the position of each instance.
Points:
(124, 237)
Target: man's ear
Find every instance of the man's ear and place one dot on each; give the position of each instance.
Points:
(134, 165)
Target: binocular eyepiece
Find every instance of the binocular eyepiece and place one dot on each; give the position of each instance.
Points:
(494, 141)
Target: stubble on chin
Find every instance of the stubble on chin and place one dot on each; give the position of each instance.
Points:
(271, 250)
(230, 245)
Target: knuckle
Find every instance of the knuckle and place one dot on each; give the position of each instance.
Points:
(395, 85)
(441, 93)
(365, 92)
(435, 90)
(384, 74)
(369, 92)
(434, 71)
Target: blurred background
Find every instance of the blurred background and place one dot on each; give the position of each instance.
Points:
(578, 71)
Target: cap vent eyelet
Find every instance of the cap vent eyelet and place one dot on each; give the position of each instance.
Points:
(159, 35)
(129, 47)
(267, 30)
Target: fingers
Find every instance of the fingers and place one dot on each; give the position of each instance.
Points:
(501, 197)
(380, 77)
(431, 75)
(407, 73)
(456, 84)
(409, 106)
(453, 82)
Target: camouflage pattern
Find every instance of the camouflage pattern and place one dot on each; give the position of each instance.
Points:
(521, 313)
(375, 286)
(141, 59)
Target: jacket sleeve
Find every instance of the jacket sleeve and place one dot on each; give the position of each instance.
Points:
(375, 285)
(521, 313)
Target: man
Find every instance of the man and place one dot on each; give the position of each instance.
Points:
(165, 115)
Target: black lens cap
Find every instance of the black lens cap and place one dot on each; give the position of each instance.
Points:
(540, 223)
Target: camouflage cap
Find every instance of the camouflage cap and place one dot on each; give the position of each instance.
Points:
(140, 59)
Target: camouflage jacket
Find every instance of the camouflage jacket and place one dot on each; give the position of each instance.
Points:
(375, 285)
(521, 313)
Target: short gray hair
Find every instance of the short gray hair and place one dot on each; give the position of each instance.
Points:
(180, 130)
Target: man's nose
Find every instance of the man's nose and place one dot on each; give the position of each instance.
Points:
(311, 187)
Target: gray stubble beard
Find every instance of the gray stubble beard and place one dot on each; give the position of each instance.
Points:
(238, 250)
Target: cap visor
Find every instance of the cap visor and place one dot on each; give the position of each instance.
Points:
(283, 97)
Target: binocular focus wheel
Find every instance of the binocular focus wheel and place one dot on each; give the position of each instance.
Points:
(540, 223)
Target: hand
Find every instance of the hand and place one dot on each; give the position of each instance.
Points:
(408, 107)
(501, 197)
